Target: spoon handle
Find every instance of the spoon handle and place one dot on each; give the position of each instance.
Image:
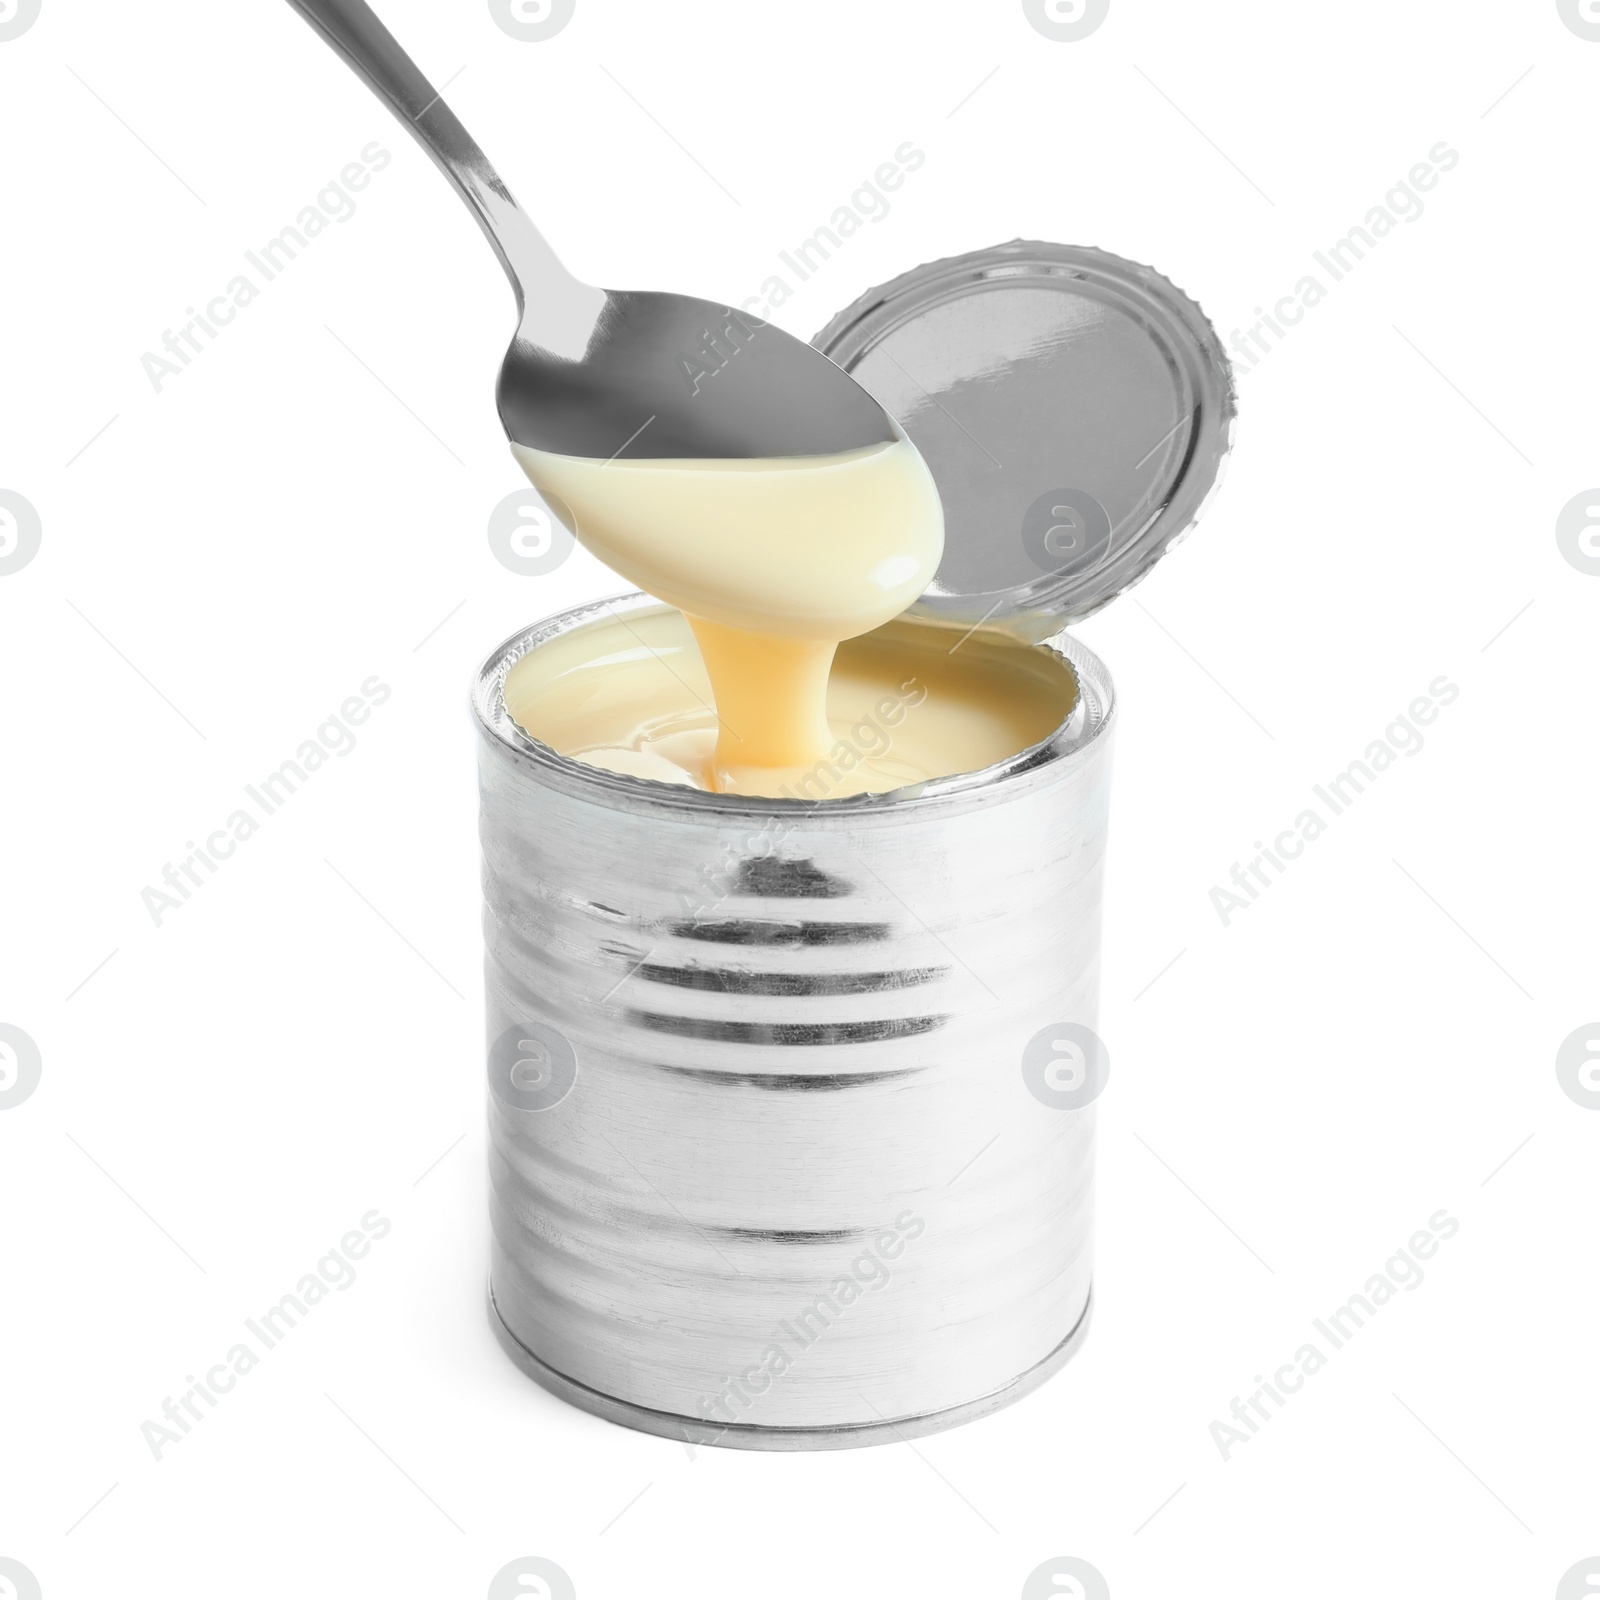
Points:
(355, 33)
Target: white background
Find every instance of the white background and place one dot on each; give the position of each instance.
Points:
(1292, 1095)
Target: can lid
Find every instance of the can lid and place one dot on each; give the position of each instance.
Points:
(1074, 408)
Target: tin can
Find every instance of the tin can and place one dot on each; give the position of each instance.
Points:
(766, 1167)
(782, 1151)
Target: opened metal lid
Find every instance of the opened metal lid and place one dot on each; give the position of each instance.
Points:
(1074, 408)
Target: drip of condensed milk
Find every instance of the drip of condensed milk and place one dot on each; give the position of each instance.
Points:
(774, 563)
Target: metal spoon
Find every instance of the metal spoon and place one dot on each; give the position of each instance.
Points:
(614, 373)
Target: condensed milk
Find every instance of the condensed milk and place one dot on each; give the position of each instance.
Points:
(774, 564)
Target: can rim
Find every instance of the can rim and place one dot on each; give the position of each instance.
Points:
(1088, 724)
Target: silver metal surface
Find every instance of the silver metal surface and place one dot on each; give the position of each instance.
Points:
(765, 1168)
(608, 373)
(750, 1436)
(1075, 410)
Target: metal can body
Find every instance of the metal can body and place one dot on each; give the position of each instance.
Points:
(775, 1176)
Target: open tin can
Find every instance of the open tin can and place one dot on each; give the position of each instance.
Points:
(792, 1102)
